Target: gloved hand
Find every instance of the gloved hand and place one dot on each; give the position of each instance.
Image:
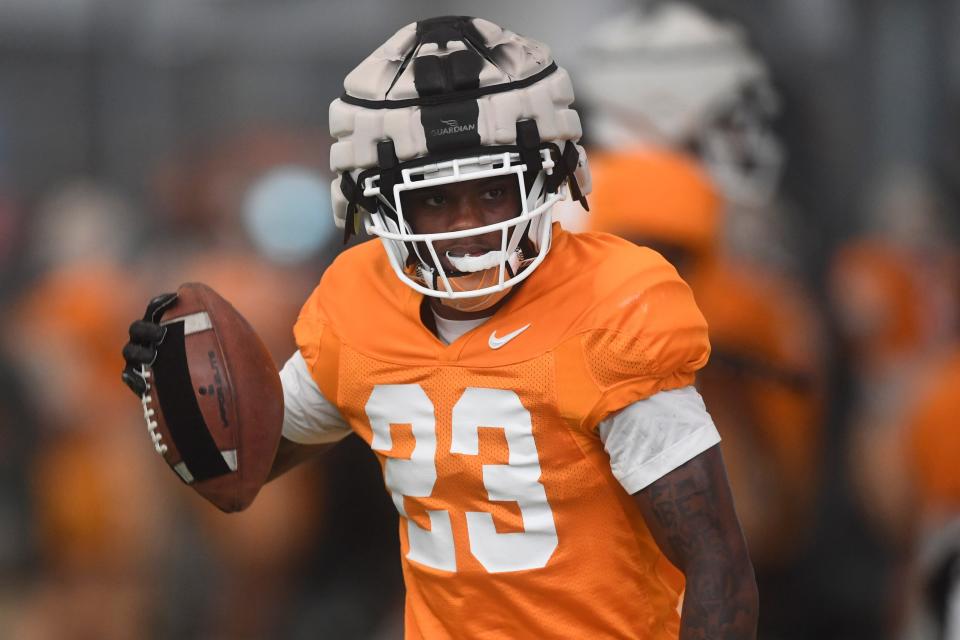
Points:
(145, 335)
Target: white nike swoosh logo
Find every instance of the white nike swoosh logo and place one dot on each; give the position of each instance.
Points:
(496, 343)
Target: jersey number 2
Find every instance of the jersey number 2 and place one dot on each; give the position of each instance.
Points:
(517, 481)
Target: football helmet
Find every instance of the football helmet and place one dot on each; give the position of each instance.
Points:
(667, 73)
(447, 100)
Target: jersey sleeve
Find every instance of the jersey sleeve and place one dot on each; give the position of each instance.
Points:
(644, 334)
(310, 379)
(308, 417)
(650, 438)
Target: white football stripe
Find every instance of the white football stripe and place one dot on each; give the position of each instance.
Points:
(230, 457)
(193, 323)
(183, 472)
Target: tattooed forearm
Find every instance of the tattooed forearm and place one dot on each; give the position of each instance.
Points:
(690, 514)
(719, 602)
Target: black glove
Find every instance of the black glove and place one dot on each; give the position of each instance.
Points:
(145, 335)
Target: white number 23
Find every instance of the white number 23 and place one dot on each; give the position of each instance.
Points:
(517, 481)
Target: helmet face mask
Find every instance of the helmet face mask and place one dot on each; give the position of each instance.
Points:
(414, 256)
(447, 101)
(740, 149)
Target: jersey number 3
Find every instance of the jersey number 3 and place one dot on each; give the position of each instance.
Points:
(517, 481)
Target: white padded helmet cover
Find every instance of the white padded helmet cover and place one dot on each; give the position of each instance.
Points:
(358, 129)
(671, 74)
(663, 72)
(381, 100)
(514, 57)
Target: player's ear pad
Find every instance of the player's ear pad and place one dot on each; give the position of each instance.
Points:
(180, 409)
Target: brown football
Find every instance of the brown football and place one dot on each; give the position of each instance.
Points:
(214, 406)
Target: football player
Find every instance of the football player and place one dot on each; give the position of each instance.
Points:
(528, 391)
(930, 446)
(762, 382)
(685, 161)
(670, 75)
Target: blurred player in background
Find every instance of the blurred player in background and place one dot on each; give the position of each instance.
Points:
(894, 290)
(930, 442)
(98, 546)
(113, 568)
(761, 383)
(680, 113)
(527, 391)
(668, 76)
(215, 202)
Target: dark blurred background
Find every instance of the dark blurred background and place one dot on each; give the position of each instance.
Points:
(144, 144)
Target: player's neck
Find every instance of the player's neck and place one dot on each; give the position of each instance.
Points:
(450, 313)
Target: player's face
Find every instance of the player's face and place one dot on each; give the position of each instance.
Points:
(460, 206)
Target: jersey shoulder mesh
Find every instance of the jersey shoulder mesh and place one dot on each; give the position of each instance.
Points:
(643, 332)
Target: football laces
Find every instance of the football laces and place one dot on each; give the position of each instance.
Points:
(148, 413)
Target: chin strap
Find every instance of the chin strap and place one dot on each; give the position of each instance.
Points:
(565, 169)
(349, 190)
(389, 172)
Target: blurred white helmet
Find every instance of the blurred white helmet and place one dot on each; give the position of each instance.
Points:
(446, 100)
(666, 73)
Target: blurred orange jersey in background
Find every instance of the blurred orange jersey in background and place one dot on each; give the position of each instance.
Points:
(932, 445)
(764, 384)
(512, 524)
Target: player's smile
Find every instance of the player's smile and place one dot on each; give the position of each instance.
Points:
(462, 250)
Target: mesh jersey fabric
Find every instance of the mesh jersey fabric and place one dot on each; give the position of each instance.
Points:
(512, 523)
(645, 440)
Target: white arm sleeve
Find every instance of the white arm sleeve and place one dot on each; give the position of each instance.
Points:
(308, 417)
(650, 438)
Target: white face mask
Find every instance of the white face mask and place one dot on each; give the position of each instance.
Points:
(485, 279)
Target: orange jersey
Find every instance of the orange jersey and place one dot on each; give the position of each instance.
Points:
(932, 439)
(511, 522)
